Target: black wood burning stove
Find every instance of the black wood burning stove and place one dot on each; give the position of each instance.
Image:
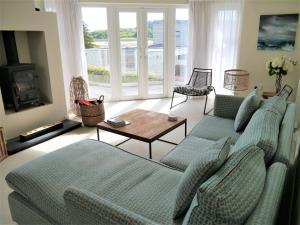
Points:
(18, 81)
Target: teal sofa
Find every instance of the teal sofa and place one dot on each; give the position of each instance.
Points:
(91, 182)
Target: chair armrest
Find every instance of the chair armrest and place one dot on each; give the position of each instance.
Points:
(85, 207)
(227, 106)
(267, 208)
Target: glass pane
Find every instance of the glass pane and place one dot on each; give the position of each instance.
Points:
(155, 26)
(181, 35)
(128, 40)
(97, 51)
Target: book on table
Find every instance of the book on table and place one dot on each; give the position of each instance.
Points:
(117, 122)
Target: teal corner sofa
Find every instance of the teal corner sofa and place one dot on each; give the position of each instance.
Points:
(91, 182)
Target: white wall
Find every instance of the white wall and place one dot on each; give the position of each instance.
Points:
(20, 16)
(254, 60)
(22, 46)
(138, 1)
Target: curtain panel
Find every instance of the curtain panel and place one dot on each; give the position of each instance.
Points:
(71, 40)
(214, 34)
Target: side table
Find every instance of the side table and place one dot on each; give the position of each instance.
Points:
(268, 94)
(3, 150)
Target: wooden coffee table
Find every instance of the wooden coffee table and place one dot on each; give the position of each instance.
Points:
(146, 126)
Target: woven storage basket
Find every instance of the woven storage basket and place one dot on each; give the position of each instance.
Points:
(91, 115)
(3, 150)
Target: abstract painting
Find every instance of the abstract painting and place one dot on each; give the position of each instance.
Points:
(277, 32)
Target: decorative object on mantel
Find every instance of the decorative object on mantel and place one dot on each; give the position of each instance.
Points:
(3, 150)
(78, 90)
(236, 80)
(15, 145)
(92, 111)
(26, 136)
(280, 66)
(277, 32)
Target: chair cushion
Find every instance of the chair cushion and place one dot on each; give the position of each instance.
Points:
(262, 131)
(189, 90)
(231, 194)
(190, 148)
(136, 184)
(198, 171)
(214, 128)
(246, 110)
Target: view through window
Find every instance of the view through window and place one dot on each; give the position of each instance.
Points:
(181, 34)
(97, 50)
(128, 43)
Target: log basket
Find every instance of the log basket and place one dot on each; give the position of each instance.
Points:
(93, 114)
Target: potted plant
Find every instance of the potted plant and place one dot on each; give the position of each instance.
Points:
(280, 66)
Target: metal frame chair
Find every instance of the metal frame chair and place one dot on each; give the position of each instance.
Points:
(286, 91)
(198, 85)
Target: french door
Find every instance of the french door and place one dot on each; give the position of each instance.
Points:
(137, 52)
(142, 53)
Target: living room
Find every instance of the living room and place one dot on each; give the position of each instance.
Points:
(107, 118)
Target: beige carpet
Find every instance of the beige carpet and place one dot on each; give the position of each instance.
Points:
(192, 110)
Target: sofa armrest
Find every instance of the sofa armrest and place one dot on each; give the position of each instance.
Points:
(227, 106)
(267, 208)
(85, 207)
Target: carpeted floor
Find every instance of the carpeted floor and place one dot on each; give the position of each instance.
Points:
(192, 110)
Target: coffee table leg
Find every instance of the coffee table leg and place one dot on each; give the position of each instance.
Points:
(185, 128)
(98, 135)
(150, 151)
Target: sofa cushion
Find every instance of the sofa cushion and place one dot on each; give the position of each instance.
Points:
(198, 171)
(246, 110)
(214, 128)
(262, 131)
(275, 104)
(231, 194)
(138, 185)
(190, 148)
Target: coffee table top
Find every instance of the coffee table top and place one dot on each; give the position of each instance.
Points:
(144, 125)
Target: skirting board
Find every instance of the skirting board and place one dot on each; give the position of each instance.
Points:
(14, 145)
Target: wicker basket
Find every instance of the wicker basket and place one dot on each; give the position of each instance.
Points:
(3, 150)
(94, 114)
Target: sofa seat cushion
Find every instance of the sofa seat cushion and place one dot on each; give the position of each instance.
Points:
(190, 148)
(214, 128)
(246, 110)
(262, 131)
(231, 194)
(139, 185)
(198, 171)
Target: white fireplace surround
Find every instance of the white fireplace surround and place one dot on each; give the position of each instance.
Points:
(21, 16)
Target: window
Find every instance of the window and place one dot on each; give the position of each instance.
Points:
(181, 35)
(132, 64)
(97, 50)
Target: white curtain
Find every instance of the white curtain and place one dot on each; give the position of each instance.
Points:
(214, 36)
(71, 40)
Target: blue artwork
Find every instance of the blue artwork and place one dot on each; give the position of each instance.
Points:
(277, 32)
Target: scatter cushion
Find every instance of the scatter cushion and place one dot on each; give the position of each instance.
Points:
(249, 105)
(231, 194)
(275, 104)
(199, 170)
(190, 90)
(262, 131)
